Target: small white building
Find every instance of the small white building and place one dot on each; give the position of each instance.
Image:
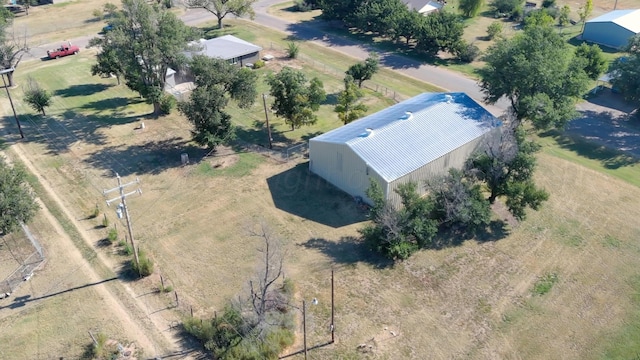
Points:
(424, 7)
(414, 140)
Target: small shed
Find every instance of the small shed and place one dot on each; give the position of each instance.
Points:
(613, 29)
(414, 140)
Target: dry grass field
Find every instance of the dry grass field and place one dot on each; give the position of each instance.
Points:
(475, 300)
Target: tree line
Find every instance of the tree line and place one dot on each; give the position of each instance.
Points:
(392, 19)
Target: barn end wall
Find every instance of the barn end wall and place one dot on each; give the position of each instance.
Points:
(340, 166)
(607, 34)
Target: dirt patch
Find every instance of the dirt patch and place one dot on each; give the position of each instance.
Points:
(223, 157)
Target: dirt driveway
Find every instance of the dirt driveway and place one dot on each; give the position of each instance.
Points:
(605, 118)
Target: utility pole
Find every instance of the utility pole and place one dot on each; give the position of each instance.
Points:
(266, 116)
(332, 311)
(7, 71)
(123, 204)
(304, 327)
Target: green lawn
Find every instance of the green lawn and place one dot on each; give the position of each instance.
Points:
(592, 156)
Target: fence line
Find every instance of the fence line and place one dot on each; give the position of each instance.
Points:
(23, 272)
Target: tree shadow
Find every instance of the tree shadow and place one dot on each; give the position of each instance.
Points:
(348, 251)
(258, 135)
(111, 105)
(81, 90)
(151, 157)
(301, 193)
(331, 99)
(592, 148)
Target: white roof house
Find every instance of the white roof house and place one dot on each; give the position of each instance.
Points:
(414, 140)
(613, 29)
(423, 6)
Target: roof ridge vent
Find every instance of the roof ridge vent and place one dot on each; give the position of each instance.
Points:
(408, 115)
(367, 132)
(448, 98)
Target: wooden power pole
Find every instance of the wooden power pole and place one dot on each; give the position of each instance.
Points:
(125, 210)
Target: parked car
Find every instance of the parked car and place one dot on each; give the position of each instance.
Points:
(15, 9)
(64, 50)
(107, 28)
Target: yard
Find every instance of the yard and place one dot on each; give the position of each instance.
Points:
(478, 299)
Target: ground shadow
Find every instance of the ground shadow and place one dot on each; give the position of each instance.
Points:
(604, 97)
(81, 90)
(301, 193)
(258, 135)
(23, 300)
(348, 250)
(59, 133)
(594, 148)
(331, 99)
(151, 157)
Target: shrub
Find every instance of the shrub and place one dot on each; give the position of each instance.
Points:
(293, 50)
(494, 30)
(467, 52)
(146, 265)
(98, 14)
(258, 64)
(506, 6)
(517, 13)
(288, 288)
(112, 236)
(548, 3)
(95, 212)
(167, 103)
(545, 283)
(126, 248)
(165, 289)
(105, 221)
(563, 16)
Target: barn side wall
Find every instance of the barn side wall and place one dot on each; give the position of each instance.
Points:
(340, 166)
(438, 167)
(606, 33)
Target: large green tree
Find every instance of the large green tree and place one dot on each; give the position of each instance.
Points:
(17, 202)
(506, 166)
(296, 98)
(109, 63)
(216, 82)
(221, 8)
(147, 39)
(459, 202)
(626, 72)
(441, 31)
(364, 70)
(594, 62)
(538, 73)
(349, 107)
(470, 8)
(398, 233)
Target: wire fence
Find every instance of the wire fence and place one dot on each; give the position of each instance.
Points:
(26, 268)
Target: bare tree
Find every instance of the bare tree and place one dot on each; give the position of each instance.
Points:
(263, 297)
(12, 49)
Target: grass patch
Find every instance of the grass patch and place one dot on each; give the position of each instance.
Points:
(243, 167)
(545, 284)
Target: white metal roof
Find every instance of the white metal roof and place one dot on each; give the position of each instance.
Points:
(225, 47)
(628, 19)
(411, 134)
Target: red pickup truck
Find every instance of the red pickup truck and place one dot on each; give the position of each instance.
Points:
(63, 50)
